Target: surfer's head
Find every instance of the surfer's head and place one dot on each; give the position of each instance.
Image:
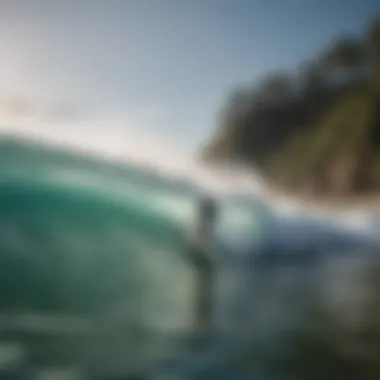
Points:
(208, 209)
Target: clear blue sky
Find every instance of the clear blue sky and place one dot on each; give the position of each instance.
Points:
(164, 65)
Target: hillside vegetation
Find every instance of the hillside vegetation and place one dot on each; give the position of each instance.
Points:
(315, 131)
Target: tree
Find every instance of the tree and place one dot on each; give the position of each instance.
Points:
(233, 117)
(331, 101)
(311, 78)
(346, 56)
(275, 87)
(373, 39)
(373, 46)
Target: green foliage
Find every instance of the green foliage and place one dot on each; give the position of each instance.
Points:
(306, 126)
(346, 53)
(373, 37)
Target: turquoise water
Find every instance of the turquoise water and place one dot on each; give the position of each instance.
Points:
(81, 231)
(92, 269)
(80, 234)
(99, 243)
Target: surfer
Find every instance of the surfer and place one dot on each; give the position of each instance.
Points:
(198, 252)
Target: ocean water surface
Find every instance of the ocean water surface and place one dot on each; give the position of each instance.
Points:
(97, 247)
(92, 273)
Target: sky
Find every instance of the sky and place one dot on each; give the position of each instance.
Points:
(157, 69)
